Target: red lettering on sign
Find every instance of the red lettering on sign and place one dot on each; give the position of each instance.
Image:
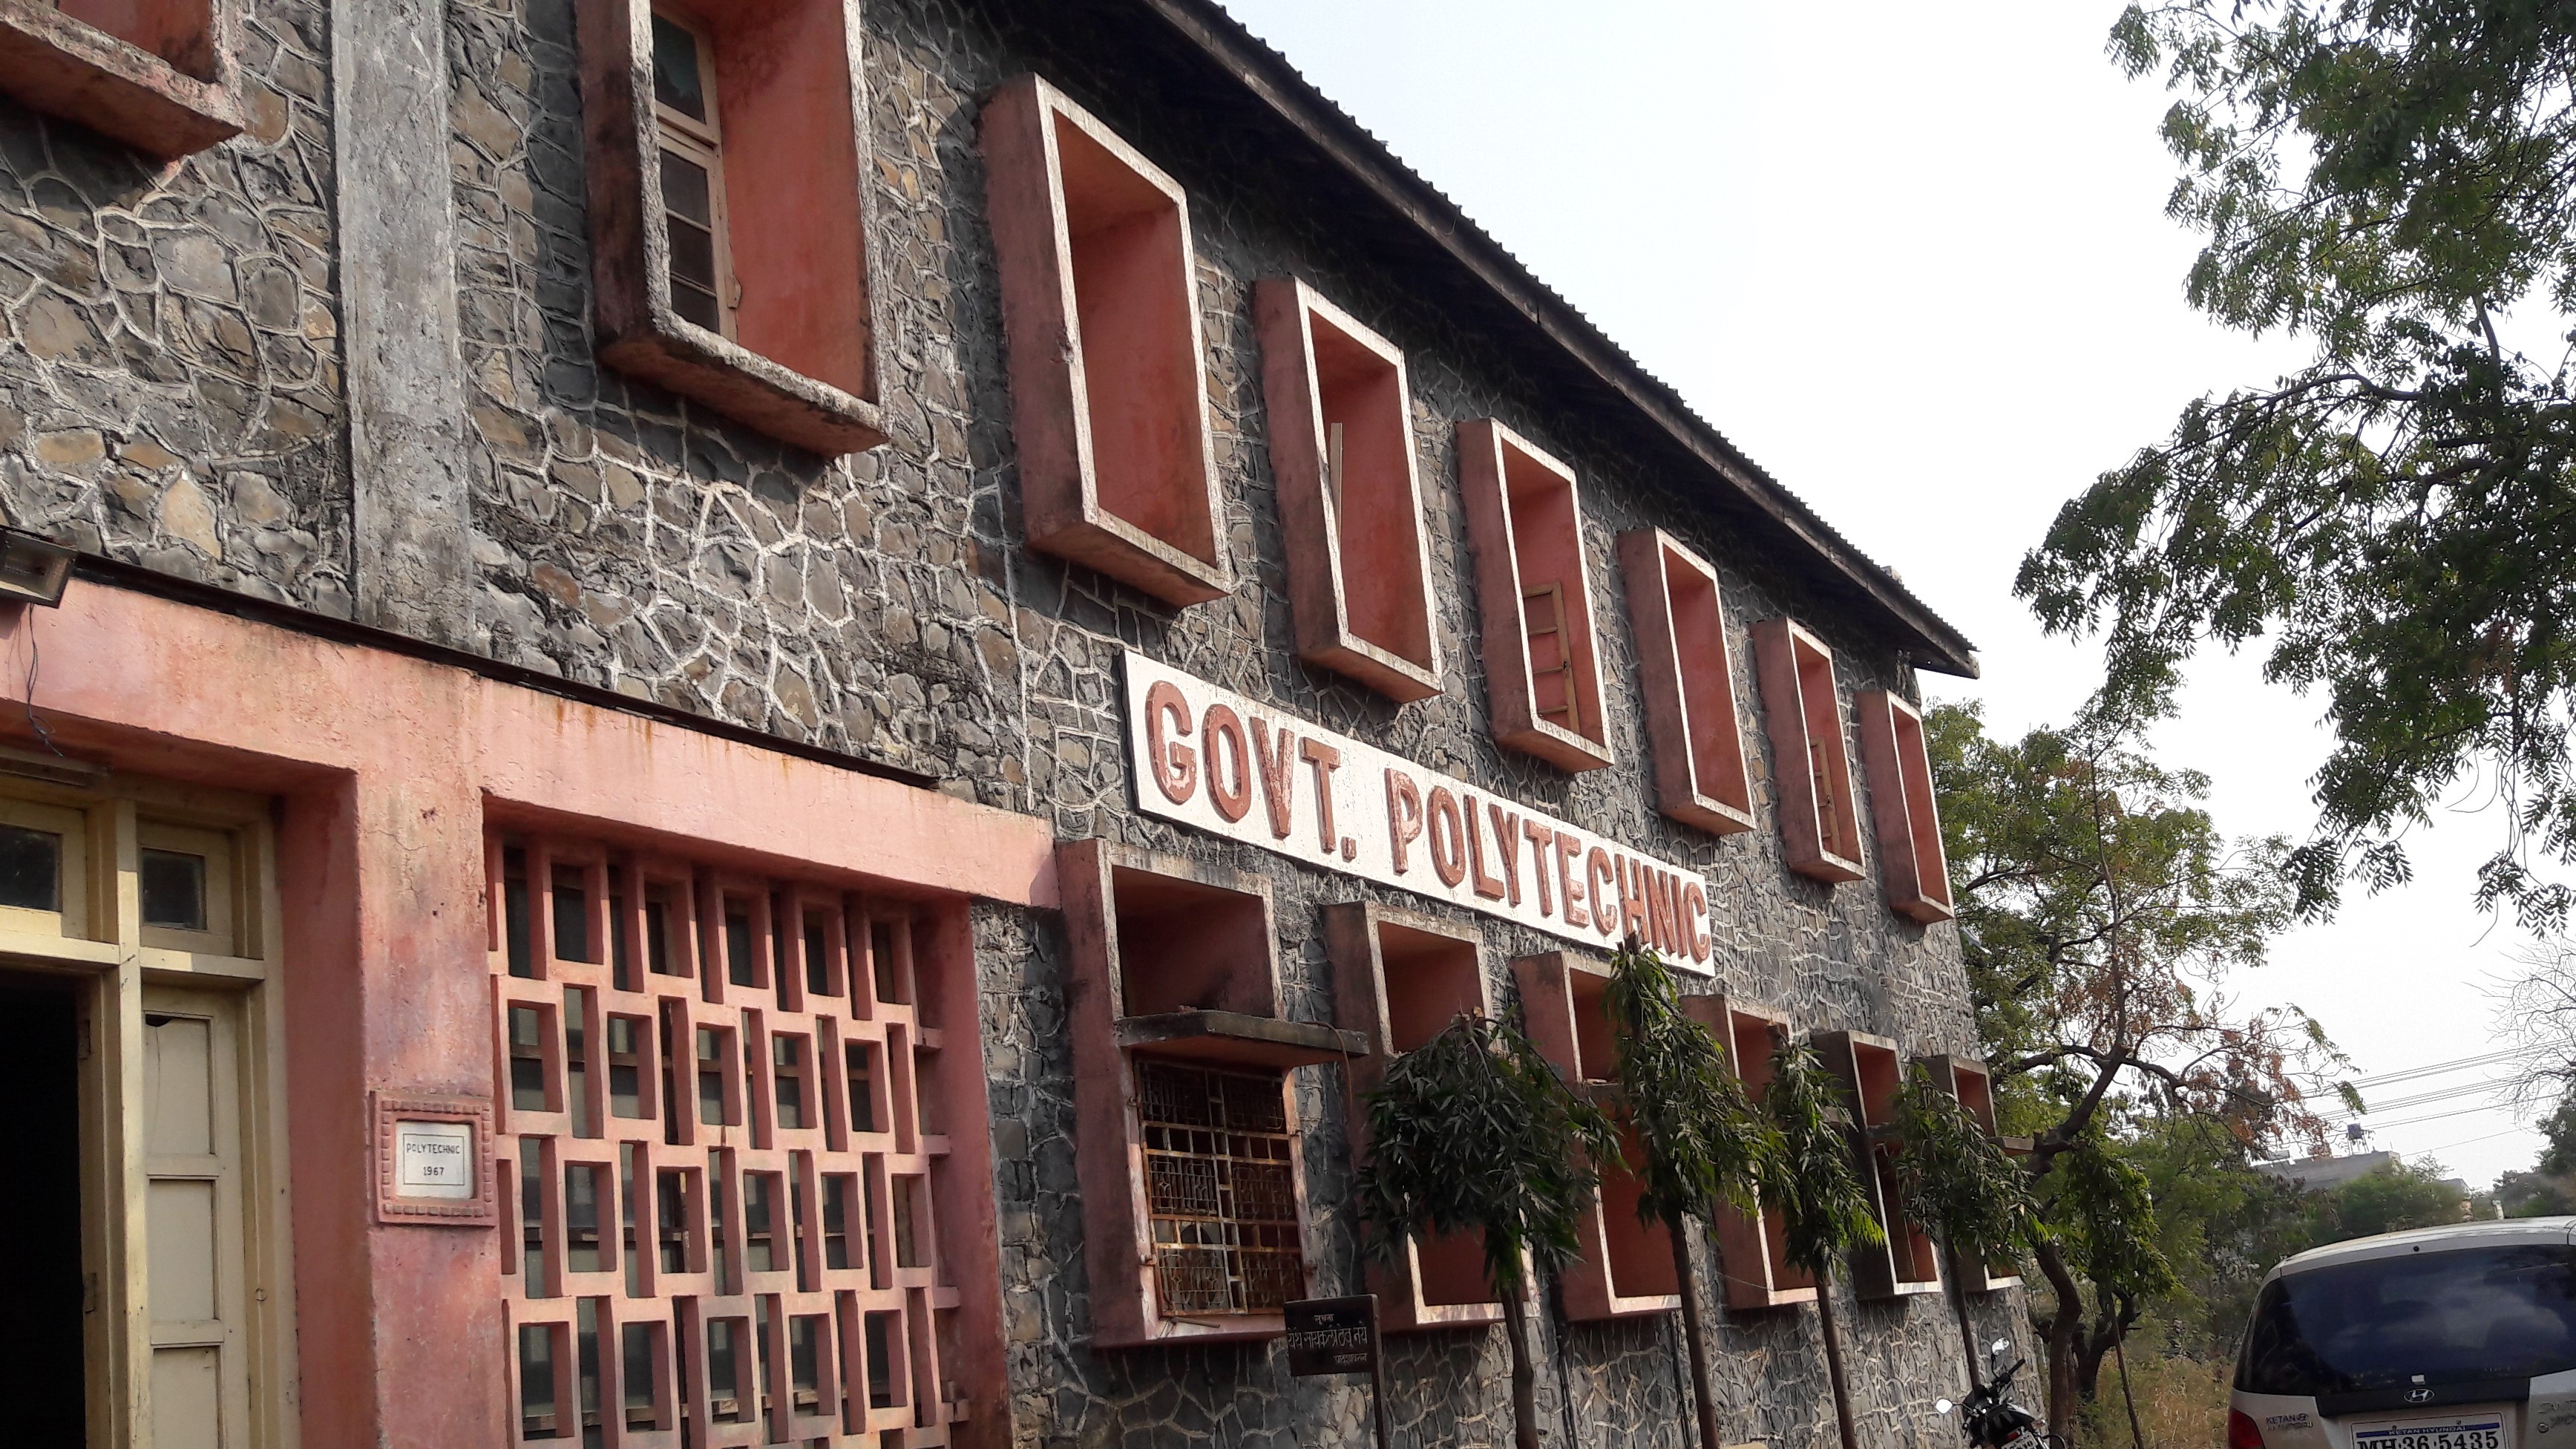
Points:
(1603, 880)
(1229, 779)
(1569, 848)
(1176, 765)
(1634, 919)
(1542, 838)
(1278, 783)
(1507, 846)
(1488, 884)
(1694, 904)
(1448, 851)
(1403, 813)
(1322, 759)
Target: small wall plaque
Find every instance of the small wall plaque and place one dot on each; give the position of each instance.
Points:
(434, 1160)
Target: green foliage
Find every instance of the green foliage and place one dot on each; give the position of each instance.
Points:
(2388, 180)
(2388, 1200)
(1957, 1180)
(2535, 1195)
(1701, 1138)
(2101, 1208)
(1816, 1186)
(2099, 909)
(2558, 1159)
(1474, 1132)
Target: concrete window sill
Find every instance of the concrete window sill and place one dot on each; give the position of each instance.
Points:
(153, 76)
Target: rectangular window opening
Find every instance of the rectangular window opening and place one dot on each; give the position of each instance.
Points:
(529, 1028)
(1802, 710)
(881, 1333)
(1342, 449)
(838, 1189)
(539, 1414)
(1534, 596)
(572, 913)
(626, 1065)
(742, 966)
(692, 162)
(787, 1073)
(672, 1220)
(1220, 1190)
(641, 1372)
(863, 1098)
(31, 869)
(760, 1245)
(1695, 732)
(1089, 220)
(1911, 856)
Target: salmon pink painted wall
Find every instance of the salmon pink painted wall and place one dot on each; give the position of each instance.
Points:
(385, 767)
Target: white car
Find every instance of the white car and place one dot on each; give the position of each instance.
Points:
(2459, 1337)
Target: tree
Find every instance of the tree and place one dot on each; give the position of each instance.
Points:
(1815, 1185)
(2101, 1219)
(2387, 180)
(2100, 912)
(1957, 1181)
(1473, 1131)
(1699, 1139)
(2386, 1200)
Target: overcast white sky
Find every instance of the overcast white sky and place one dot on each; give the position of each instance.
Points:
(1913, 259)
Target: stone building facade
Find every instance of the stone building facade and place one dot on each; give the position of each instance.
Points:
(480, 602)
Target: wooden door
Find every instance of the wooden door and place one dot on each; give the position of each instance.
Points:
(193, 1251)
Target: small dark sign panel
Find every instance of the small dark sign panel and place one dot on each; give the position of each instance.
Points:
(1332, 1336)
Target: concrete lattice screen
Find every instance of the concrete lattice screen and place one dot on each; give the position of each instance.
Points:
(719, 1105)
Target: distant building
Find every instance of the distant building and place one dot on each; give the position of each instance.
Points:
(2325, 1174)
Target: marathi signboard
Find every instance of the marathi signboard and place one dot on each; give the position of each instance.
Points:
(1331, 1336)
(1213, 759)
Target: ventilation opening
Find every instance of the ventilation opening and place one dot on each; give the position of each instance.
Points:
(1184, 946)
(40, 1217)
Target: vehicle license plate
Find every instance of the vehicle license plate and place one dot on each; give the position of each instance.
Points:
(2476, 1433)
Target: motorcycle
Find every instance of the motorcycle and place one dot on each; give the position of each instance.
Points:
(1991, 1419)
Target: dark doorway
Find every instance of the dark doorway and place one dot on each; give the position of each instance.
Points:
(40, 1216)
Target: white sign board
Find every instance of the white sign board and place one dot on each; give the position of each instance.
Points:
(434, 1159)
(1210, 758)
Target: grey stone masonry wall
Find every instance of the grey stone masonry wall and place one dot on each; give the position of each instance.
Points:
(170, 389)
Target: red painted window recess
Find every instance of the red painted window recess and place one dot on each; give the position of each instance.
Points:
(1906, 1263)
(1623, 1265)
(1398, 979)
(728, 213)
(1534, 595)
(155, 74)
(1809, 759)
(1100, 317)
(1974, 1086)
(1193, 1190)
(1753, 1247)
(1900, 797)
(1689, 674)
(1341, 446)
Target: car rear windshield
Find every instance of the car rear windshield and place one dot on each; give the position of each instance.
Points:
(2469, 1313)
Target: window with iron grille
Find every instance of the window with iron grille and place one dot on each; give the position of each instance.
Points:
(1220, 1188)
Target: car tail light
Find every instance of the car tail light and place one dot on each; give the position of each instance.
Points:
(2242, 1431)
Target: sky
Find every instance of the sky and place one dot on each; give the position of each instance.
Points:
(1914, 261)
